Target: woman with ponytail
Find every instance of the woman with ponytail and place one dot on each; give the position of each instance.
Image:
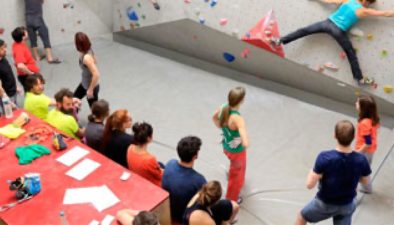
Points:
(206, 208)
(115, 139)
(235, 141)
(95, 128)
(140, 161)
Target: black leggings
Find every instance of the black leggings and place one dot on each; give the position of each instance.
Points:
(80, 93)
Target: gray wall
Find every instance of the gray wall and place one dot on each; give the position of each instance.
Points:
(185, 38)
(91, 16)
(314, 50)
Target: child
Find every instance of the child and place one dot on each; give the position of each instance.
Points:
(368, 123)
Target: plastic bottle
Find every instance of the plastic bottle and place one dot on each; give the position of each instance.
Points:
(7, 107)
(63, 219)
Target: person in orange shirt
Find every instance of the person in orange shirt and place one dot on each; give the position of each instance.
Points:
(368, 124)
(139, 160)
(24, 61)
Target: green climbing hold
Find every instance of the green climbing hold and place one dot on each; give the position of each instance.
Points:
(137, 24)
(143, 16)
(139, 5)
(384, 53)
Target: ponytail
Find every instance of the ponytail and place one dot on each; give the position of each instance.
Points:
(224, 116)
(91, 118)
(210, 193)
(107, 131)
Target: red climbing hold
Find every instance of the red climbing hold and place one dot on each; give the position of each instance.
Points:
(261, 34)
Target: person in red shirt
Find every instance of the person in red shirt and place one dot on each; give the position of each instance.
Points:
(139, 160)
(24, 61)
(368, 124)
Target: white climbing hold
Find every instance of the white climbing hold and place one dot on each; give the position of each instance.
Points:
(357, 32)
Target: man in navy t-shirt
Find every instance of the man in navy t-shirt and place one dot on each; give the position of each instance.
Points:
(338, 172)
(180, 179)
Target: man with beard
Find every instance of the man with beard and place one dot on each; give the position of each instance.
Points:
(62, 116)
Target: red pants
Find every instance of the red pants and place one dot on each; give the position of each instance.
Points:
(236, 176)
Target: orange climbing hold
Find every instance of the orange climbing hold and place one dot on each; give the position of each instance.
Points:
(261, 34)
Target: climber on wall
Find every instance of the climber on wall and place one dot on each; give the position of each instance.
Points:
(337, 25)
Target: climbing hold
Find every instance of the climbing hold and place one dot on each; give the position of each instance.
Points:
(357, 32)
(245, 53)
(228, 57)
(132, 26)
(62, 30)
(384, 53)
(235, 32)
(139, 5)
(370, 37)
(132, 14)
(187, 1)
(342, 55)
(259, 37)
(143, 16)
(197, 11)
(201, 20)
(122, 28)
(214, 3)
(79, 22)
(357, 93)
(223, 21)
(331, 66)
(320, 68)
(137, 25)
(1, 31)
(206, 1)
(388, 89)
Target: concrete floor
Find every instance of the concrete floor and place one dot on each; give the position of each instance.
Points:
(286, 134)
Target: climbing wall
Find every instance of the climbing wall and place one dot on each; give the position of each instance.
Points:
(372, 38)
(63, 18)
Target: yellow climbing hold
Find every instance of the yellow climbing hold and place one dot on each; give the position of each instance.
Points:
(357, 93)
(388, 89)
(370, 37)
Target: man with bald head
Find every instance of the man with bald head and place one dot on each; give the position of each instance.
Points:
(338, 172)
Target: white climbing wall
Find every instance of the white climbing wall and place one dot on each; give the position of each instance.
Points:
(63, 17)
(312, 51)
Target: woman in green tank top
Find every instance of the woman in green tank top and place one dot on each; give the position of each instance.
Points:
(235, 140)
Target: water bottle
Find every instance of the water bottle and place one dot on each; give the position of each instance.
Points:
(63, 219)
(7, 107)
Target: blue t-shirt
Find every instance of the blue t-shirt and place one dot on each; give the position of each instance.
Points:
(182, 183)
(341, 174)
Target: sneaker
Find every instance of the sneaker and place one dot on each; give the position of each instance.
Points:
(275, 41)
(366, 81)
(365, 191)
(156, 5)
(240, 200)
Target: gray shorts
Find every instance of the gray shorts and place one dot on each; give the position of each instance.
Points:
(317, 210)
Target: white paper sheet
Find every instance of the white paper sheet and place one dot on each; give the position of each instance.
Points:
(107, 220)
(94, 222)
(78, 195)
(107, 198)
(72, 156)
(83, 169)
(101, 197)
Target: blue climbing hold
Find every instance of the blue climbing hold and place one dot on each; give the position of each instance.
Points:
(228, 57)
(132, 14)
(213, 3)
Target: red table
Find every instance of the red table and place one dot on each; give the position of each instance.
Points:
(135, 193)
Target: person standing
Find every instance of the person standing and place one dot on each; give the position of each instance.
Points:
(235, 141)
(89, 85)
(7, 78)
(337, 25)
(24, 61)
(180, 179)
(35, 23)
(338, 172)
(367, 131)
